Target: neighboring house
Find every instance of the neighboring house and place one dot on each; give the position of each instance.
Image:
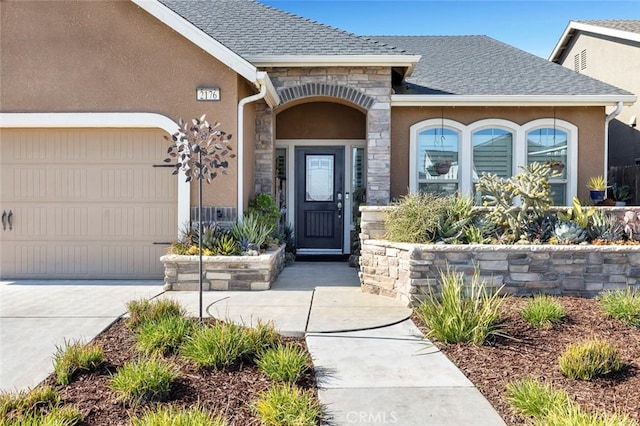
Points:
(89, 89)
(609, 51)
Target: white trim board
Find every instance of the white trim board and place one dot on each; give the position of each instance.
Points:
(510, 100)
(123, 120)
(573, 27)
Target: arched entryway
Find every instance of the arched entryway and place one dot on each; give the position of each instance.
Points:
(321, 170)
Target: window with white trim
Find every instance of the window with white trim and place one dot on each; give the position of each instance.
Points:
(437, 159)
(492, 146)
(549, 145)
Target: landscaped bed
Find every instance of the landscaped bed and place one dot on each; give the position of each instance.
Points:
(224, 376)
(534, 352)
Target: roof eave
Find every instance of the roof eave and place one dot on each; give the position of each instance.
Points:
(573, 27)
(510, 100)
(207, 43)
(408, 61)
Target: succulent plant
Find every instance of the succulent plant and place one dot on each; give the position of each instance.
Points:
(531, 187)
(606, 228)
(569, 233)
(541, 228)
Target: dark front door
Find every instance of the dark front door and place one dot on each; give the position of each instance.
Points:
(319, 185)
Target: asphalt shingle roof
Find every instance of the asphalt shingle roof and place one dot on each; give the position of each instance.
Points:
(480, 65)
(250, 28)
(629, 25)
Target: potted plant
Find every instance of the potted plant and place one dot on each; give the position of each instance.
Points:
(442, 167)
(621, 194)
(555, 165)
(597, 188)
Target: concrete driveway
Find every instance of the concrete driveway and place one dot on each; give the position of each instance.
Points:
(35, 316)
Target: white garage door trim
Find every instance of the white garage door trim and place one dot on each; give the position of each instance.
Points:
(105, 120)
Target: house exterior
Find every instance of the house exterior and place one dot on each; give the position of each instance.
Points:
(318, 116)
(608, 50)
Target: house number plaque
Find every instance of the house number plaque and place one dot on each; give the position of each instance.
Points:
(208, 94)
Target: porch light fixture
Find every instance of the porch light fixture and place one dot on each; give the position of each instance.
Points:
(208, 94)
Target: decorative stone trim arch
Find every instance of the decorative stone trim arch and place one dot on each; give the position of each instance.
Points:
(330, 90)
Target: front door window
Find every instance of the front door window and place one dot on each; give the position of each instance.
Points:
(319, 187)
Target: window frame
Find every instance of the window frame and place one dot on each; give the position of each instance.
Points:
(519, 132)
(415, 130)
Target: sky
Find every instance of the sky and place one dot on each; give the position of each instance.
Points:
(533, 26)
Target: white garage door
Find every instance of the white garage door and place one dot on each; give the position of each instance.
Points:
(85, 203)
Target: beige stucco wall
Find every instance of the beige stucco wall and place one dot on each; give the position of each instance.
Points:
(321, 120)
(589, 120)
(110, 56)
(616, 62)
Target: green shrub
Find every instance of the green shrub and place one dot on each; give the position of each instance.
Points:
(168, 415)
(551, 407)
(38, 399)
(588, 359)
(144, 310)
(573, 415)
(218, 345)
(529, 397)
(144, 380)
(287, 405)
(75, 356)
(543, 311)
(461, 314)
(163, 336)
(264, 206)
(284, 363)
(622, 305)
(415, 218)
(261, 337)
(57, 416)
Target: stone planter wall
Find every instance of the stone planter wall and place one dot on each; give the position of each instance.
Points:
(223, 272)
(403, 271)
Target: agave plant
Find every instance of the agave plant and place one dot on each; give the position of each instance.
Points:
(251, 230)
(606, 228)
(569, 233)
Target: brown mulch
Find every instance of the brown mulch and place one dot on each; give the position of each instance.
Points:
(535, 352)
(228, 392)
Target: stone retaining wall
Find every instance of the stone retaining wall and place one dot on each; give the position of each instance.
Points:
(403, 271)
(223, 272)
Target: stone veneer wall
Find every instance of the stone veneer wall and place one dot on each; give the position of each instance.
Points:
(366, 87)
(402, 271)
(223, 272)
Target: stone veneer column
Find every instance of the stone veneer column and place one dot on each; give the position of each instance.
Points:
(264, 149)
(367, 87)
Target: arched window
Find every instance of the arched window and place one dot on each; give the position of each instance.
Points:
(492, 152)
(435, 160)
(446, 156)
(554, 142)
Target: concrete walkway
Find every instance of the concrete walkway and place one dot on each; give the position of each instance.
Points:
(372, 363)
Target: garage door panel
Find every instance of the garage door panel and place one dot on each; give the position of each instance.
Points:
(86, 203)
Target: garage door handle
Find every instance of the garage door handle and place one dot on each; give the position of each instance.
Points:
(10, 219)
(161, 244)
(4, 218)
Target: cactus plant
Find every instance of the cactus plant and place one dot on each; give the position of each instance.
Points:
(569, 233)
(531, 187)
